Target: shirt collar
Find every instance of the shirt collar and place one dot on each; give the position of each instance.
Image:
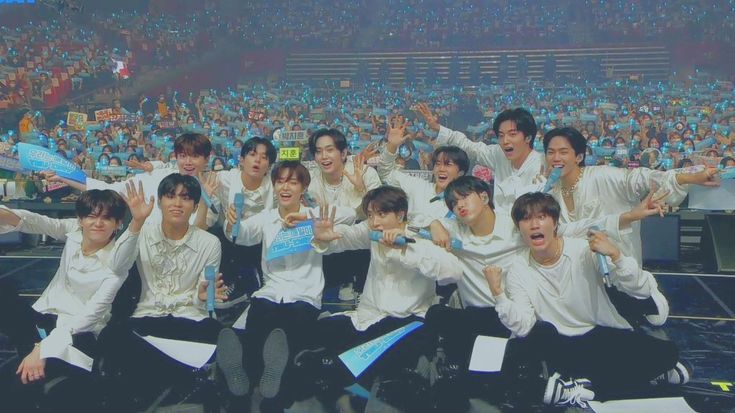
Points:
(102, 253)
(157, 237)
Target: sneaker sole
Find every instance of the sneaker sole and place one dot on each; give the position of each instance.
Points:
(550, 392)
(275, 358)
(662, 304)
(229, 361)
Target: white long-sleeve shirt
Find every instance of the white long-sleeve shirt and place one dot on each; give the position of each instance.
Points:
(424, 203)
(569, 294)
(171, 271)
(81, 292)
(398, 284)
(507, 179)
(257, 200)
(500, 249)
(343, 194)
(295, 277)
(605, 190)
(150, 181)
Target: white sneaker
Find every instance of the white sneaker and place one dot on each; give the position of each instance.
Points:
(662, 304)
(568, 393)
(347, 293)
(679, 375)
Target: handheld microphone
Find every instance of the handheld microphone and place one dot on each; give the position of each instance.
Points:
(426, 234)
(553, 179)
(602, 261)
(439, 197)
(400, 240)
(239, 206)
(210, 275)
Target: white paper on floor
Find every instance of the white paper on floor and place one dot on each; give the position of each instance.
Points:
(720, 198)
(667, 404)
(487, 354)
(188, 352)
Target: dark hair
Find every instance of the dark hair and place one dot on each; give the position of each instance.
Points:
(193, 144)
(533, 203)
(170, 183)
(454, 154)
(385, 198)
(573, 136)
(338, 137)
(723, 161)
(463, 186)
(522, 118)
(293, 168)
(251, 145)
(101, 202)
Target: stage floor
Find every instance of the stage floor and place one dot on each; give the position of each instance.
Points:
(702, 323)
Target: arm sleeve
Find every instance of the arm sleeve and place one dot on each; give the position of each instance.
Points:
(480, 153)
(354, 237)
(251, 229)
(33, 223)
(629, 277)
(515, 309)
(430, 260)
(124, 254)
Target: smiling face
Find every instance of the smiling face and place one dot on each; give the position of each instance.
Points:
(288, 189)
(98, 228)
(328, 157)
(511, 140)
(560, 154)
(190, 164)
(177, 207)
(445, 171)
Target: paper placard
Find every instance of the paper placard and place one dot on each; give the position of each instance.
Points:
(487, 354)
(36, 158)
(103, 114)
(190, 353)
(292, 241)
(289, 154)
(76, 121)
(291, 136)
(713, 199)
(359, 358)
(10, 164)
(667, 404)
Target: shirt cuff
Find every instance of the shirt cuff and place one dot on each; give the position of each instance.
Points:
(4, 229)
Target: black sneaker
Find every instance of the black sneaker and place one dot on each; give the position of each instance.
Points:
(568, 393)
(680, 374)
(230, 362)
(275, 359)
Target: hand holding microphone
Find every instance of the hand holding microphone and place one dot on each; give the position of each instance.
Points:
(601, 245)
(426, 234)
(239, 206)
(391, 238)
(553, 179)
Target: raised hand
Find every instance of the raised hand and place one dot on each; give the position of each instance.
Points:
(358, 169)
(323, 225)
(135, 198)
(396, 133)
(209, 183)
(370, 151)
(599, 242)
(440, 235)
(494, 277)
(431, 120)
(145, 166)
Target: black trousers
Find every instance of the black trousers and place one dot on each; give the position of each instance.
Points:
(459, 327)
(296, 319)
(141, 368)
(20, 322)
(618, 362)
(240, 261)
(346, 267)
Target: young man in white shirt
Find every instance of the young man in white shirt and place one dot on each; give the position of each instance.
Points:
(514, 162)
(329, 187)
(283, 311)
(596, 191)
(555, 301)
(241, 264)
(488, 238)
(192, 152)
(57, 335)
(399, 289)
(425, 199)
(173, 257)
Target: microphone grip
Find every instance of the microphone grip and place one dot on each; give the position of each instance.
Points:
(210, 276)
(604, 268)
(454, 242)
(378, 235)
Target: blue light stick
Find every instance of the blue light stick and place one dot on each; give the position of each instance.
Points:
(602, 261)
(400, 240)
